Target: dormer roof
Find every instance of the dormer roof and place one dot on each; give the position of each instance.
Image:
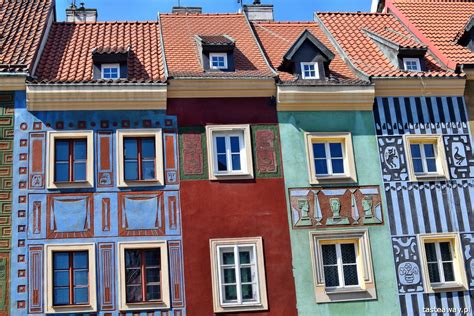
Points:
(308, 36)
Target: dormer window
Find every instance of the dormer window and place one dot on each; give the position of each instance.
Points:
(310, 70)
(110, 71)
(218, 60)
(411, 64)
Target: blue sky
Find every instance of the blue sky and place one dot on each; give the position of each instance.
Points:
(116, 10)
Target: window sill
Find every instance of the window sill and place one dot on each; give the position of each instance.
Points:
(345, 290)
(240, 308)
(71, 185)
(324, 295)
(447, 287)
(139, 183)
(231, 176)
(144, 306)
(429, 177)
(334, 179)
(70, 309)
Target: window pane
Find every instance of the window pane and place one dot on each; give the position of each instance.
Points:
(220, 144)
(244, 257)
(221, 162)
(321, 166)
(348, 253)
(134, 294)
(148, 170)
(433, 272)
(350, 275)
(246, 275)
(247, 291)
(228, 258)
(415, 150)
(448, 271)
(133, 276)
(152, 257)
(230, 292)
(445, 249)
(62, 150)
(152, 275)
(335, 150)
(131, 170)
(60, 260)
(61, 172)
(229, 275)
(81, 277)
(80, 149)
(431, 165)
(337, 165)
(132, 258)
(61, 296)
(81, 295)
(80, 260)
(319, 150)
(429, 150)
(417, 166)
(329, 254)
(80, 171)
(61, 278)
(235, 144)
(430, 252)
(130, 148)
(148, 147)
(236, 162)
(153, 292)
(331, 276)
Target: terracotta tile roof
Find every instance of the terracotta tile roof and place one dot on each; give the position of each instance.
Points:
(181, 52)
(67, 56)
(278, 37)
(350, 32)
(439, 21)
(22, 25)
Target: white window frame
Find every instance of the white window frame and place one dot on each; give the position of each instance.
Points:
(340, 267)
(408, 60)
(50, 172)
(261, 303)
(48, 272)
(165, 302)
(211, 55)
(366, 289)
(345, 138)
(159, 172)
(441, 161)
(109, 66)
(246, 162)
(316, 70)
(460, 283)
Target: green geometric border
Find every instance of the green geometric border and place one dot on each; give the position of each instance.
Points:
(276, 132)
(193, 130)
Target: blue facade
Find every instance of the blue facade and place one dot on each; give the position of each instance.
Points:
(103, 216)
(436, 206)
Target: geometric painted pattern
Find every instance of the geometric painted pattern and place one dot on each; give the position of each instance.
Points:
(6, 179)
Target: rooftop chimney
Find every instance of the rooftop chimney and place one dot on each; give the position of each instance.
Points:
(259, 12)
(187, 10)
(81, 14)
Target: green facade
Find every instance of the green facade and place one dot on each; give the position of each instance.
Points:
(293, 125)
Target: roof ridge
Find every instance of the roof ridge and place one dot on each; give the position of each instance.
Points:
(351, 13)
(201, 15)
(107, 22)
(286, 22)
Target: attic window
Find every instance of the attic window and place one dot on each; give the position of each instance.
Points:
(110, 71)
(310, 70)
(411, 64)
(218, 60)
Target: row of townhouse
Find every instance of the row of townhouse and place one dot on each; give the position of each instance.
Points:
(209, 164)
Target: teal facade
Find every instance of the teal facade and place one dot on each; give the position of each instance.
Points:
(360, 124)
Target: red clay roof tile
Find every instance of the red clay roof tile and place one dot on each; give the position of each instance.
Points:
(181, 52)
(440, 21)
(67, 56)
(349, 31)
(22, 25)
